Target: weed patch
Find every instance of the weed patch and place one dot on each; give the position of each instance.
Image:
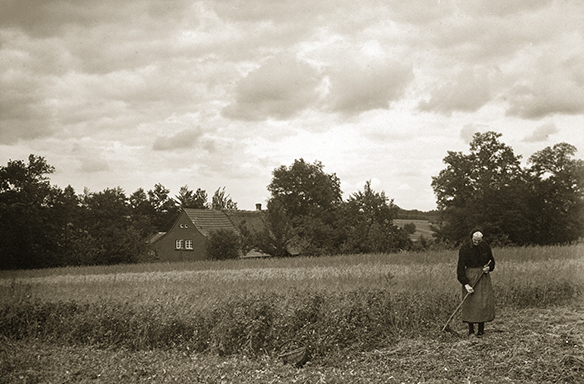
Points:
(253, 325)
(350, 306)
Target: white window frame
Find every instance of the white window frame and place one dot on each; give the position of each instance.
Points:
(189, 244)
(178, 244)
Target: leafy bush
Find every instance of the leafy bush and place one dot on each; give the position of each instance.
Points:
(223, 244)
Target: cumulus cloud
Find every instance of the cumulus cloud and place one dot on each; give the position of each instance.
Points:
(280, 88)
(553, 85)
(24, 113)
(360, 87)
(56, 16)
(92, 165)
(468, 92)
(420, 12)
(279, 80)
(501, 7)
(181, 140)
(546, 95)
(541, 133)
(467, 132)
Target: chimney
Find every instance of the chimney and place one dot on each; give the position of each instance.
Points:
(258, 206)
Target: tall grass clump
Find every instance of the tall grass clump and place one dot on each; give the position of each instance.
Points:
(252, 308)
(250, 325)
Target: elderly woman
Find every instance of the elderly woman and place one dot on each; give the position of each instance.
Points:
(475, 261)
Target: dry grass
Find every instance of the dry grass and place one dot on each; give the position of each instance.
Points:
(193, 282)
(370, 316)
(522, 346)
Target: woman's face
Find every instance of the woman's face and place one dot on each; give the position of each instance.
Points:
(477, 237)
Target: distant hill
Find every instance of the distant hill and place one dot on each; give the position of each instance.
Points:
(422, 228)
(414, 214)
(421, 219)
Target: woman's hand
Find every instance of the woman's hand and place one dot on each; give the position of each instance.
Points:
(468, 288)
(486, 269)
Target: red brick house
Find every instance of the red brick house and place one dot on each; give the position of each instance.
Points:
(187, 238)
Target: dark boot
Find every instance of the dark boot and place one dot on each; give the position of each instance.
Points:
(481, 329)
(470, 329)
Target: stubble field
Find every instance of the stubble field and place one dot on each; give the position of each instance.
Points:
(363, 318)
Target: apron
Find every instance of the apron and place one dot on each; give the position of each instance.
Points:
(479, 306)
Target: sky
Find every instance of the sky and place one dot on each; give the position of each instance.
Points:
(219, 93)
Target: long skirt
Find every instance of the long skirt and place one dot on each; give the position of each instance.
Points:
(479, 306)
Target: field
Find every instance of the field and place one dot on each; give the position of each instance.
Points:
(422, 228)
(363, 318)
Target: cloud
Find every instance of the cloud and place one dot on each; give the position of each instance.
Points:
(53, 17)
(468, 92)
(501, 7)
(549, 95)
(541, 133)
(92, 165)
(467, 132)
(181, 140)
(280, 88)
(420, 12)
(90, 154)
(360, 87)
(24, 113)
(555, 85)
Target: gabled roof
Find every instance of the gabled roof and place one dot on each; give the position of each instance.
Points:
(209, 220)
(252, 220)
(155, 237)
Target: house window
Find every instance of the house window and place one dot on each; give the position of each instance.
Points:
(179, 244)
(188, 244)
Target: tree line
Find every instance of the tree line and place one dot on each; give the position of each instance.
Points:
(541, 203)
(45, 226)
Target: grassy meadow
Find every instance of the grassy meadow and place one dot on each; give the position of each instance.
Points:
(222, 321)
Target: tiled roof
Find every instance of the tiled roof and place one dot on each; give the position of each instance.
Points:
(253, 220)
(209, 220)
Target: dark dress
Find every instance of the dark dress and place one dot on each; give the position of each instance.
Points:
(479, 307)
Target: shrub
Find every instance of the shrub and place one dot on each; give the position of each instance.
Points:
(223, 244)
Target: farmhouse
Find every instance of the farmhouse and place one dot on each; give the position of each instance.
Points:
(187, 238)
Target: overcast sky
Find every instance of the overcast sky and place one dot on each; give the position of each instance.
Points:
(220, 93)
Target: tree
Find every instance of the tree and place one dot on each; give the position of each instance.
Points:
(165, 208)
(67, 214)
(483, 188)
(189, 199)
(221, 201)
(142, 213)
(108, 223)
(557, 195)
(278, 232)
(368, 218)
(29, 230)
(311, 199)
(305, 189)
